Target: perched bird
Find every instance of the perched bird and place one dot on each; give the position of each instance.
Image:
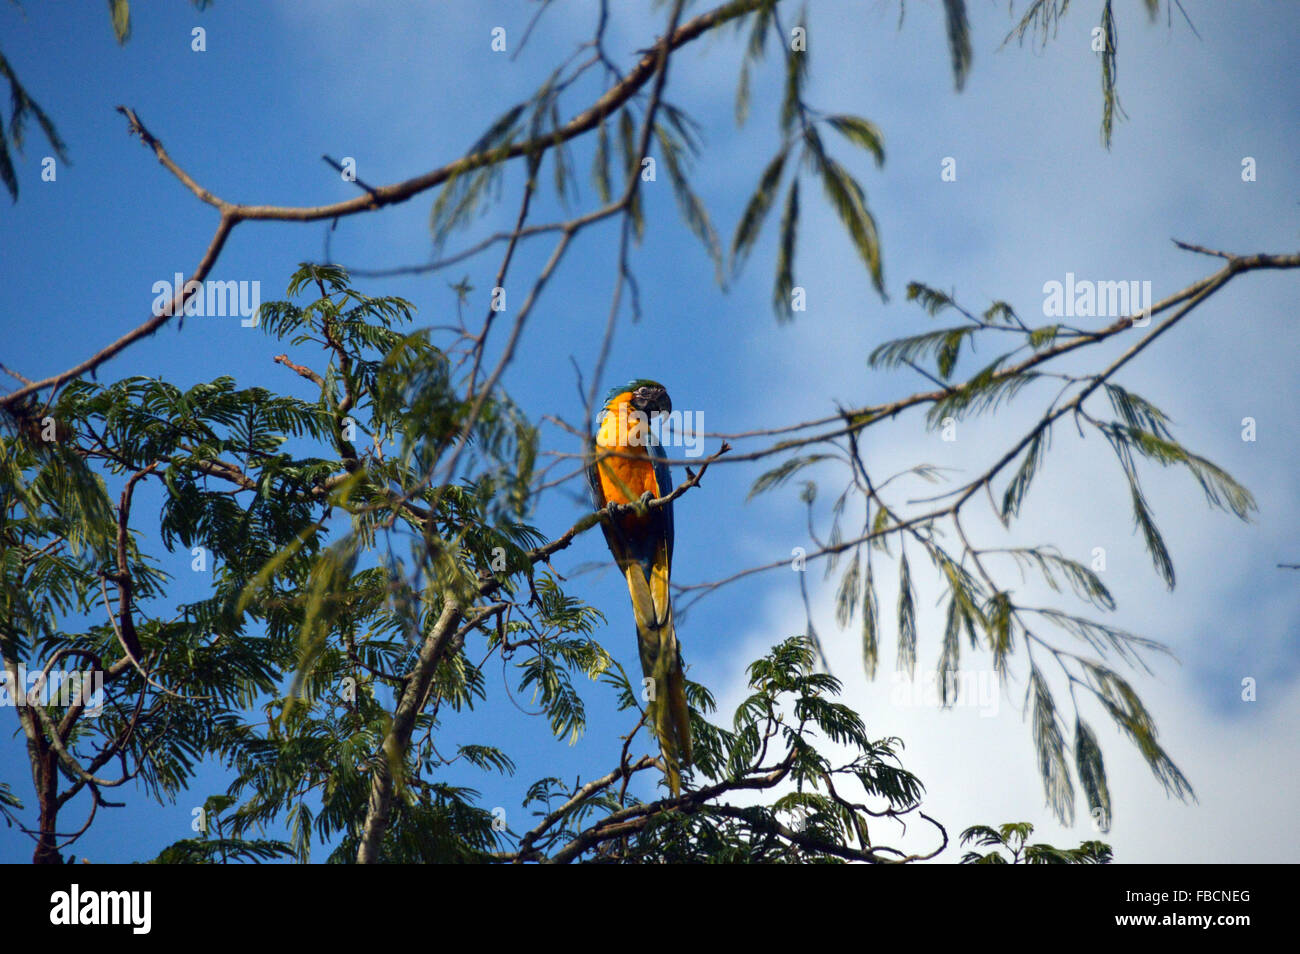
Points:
(628, 466)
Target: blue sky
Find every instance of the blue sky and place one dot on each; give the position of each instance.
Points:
(404, 88)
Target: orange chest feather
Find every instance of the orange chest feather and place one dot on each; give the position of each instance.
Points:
(624, 479)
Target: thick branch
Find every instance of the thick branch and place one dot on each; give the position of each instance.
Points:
(392, 755)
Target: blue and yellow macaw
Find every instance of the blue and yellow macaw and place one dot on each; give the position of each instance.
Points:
(628, 466)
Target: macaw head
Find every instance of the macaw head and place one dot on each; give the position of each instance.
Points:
(648, 397)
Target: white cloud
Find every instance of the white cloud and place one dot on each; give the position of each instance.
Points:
(1038, 197)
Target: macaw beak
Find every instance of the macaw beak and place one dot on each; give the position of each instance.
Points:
(651, 400)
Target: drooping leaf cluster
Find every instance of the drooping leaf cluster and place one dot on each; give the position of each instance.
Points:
(977, 597)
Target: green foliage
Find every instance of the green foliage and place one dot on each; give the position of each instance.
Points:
(783, 289)
(21, 107)
(862, 133)
(10, 804)
(984, 392)
(760, 203)
(1109, 64)
(291, 671)
(870, 625)
(906, 619)
(1042, 19)
(1013, 497)
(958, 40)
(773, 740)
(119, 12)
(799, 126)
(1050, 744)
(1143, 430)
(678, 141)
(468, 189)
(849, 201)
(1014, 838)
(282, 671)
(1079, 579)
(201, 851)
(782, 472)
(213, 846)
(1121, 702)
(1092, 774)
(973, 597)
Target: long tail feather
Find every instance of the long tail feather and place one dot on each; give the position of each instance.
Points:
(661, 662)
